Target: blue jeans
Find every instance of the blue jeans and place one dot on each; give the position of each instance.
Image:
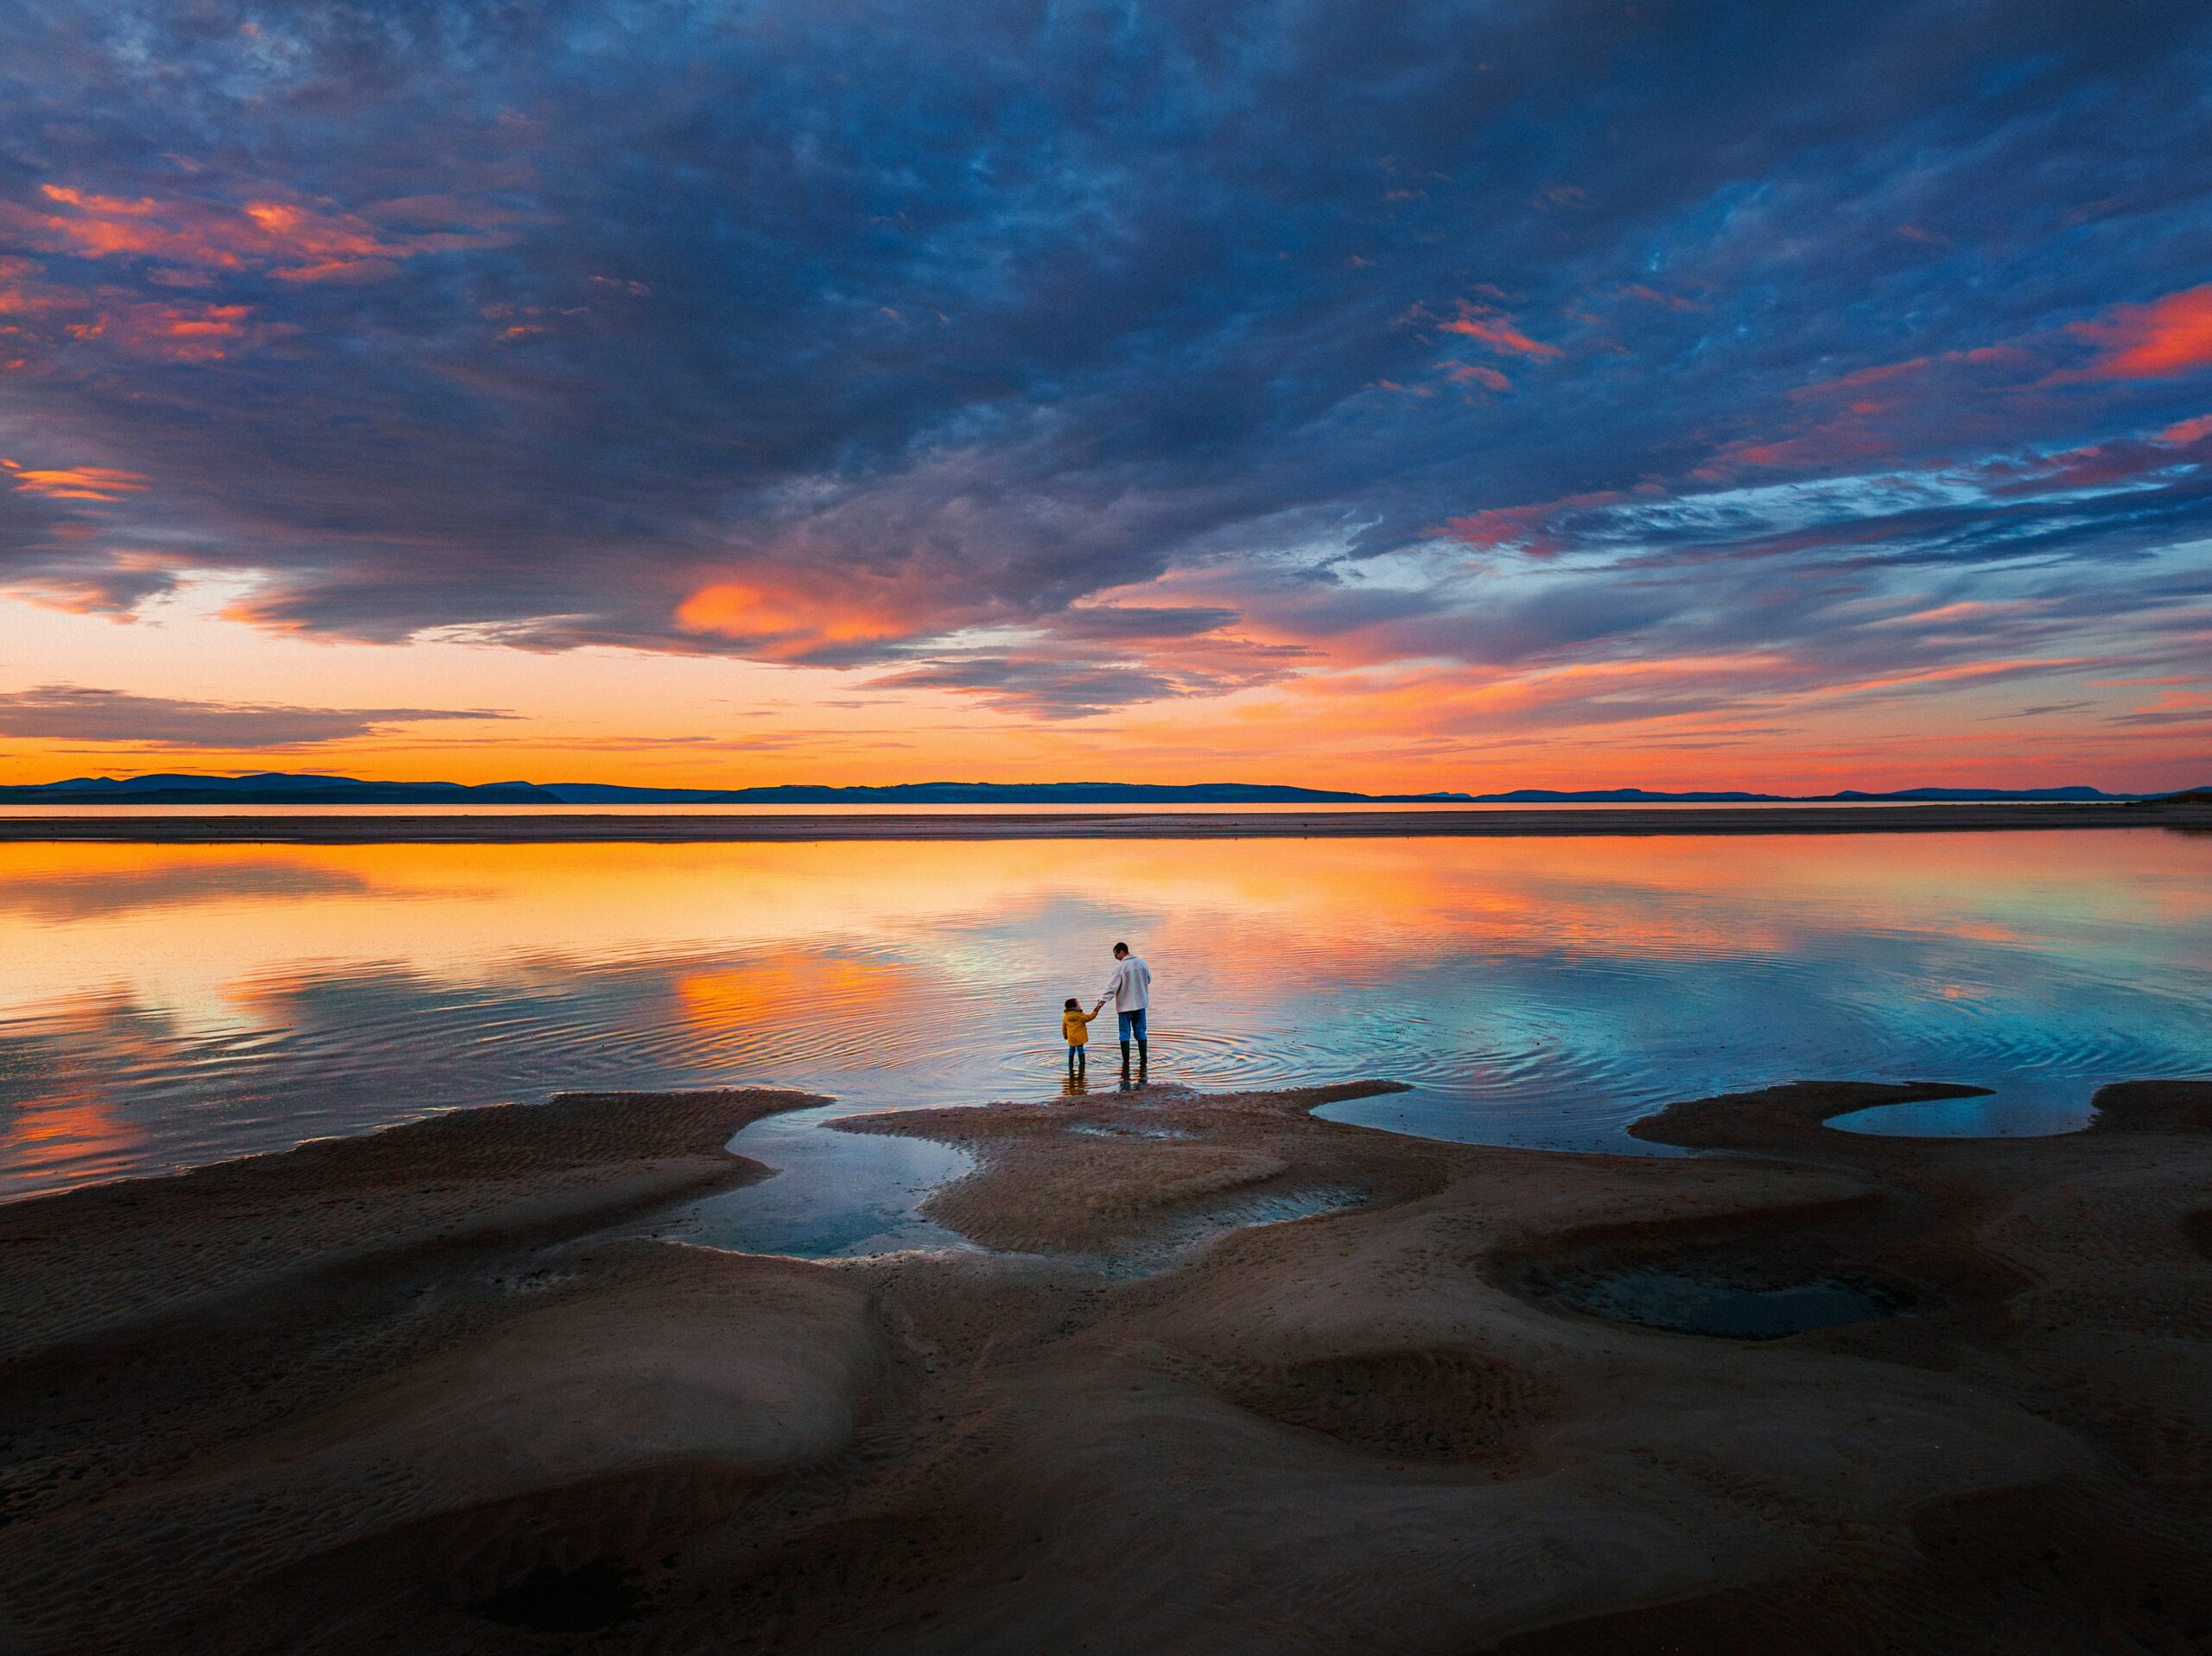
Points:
(1132, 1024)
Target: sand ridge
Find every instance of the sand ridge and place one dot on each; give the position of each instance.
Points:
(1148, 1425)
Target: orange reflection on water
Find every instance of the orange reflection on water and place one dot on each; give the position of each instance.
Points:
(801, 1006)
(795, 961)
(75, 1131)
(734, 996)
(67, 1125)
(197, 929)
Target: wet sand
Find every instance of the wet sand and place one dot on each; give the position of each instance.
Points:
(400, 1393)
(535, 826)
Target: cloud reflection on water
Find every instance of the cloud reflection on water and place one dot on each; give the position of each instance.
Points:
(164, 1004)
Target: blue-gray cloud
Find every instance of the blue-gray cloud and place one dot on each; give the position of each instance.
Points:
(536, 321)
(74, 712)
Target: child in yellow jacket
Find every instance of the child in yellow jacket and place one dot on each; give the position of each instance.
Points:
(1075, 1028)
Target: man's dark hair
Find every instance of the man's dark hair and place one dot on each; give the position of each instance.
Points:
(1121, 948)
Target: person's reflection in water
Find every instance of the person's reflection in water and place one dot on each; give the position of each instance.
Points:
(1144, 1066)
(1076, 1084)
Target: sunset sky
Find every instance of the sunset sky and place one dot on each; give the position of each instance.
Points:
(1393, 396)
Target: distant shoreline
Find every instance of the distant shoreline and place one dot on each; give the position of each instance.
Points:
(460, 827)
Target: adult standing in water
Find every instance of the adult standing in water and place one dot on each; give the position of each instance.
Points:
(1131, 990)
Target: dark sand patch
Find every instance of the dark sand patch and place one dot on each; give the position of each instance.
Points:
(1722, 1301)
(1437, 1403)
(589, 1598)
(1351, 1431)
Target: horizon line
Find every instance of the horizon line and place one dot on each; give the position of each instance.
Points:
(302, 780)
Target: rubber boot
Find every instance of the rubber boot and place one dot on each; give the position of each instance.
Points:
(1144, 1061)
(1125, 1065)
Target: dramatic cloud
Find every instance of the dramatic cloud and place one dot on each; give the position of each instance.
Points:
(73, 482)
(1074, 357)
(289, 241)
(1064, 682)
(2157, 341)
(1496, 330)
(69, 713)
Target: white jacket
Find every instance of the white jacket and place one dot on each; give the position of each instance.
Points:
(1130, 987)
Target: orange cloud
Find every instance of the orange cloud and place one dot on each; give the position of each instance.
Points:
(1883, 372)
(1942, 614)
(109, 205)
(2159, 340)
(1462, 373)
(20, 297)
(1531, 530)
(289, 240)
(332, 249)
(45, 314)
(181, 332)
(73, 482)
(2188, 431)
(1960, 672)
(1849, 426)
(780, 622)
(1495, 329)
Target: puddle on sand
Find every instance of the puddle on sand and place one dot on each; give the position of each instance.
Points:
(2032, 1116)
(847, 1195)
(835, 1196)
(1234, 1212)
(1176, 1239)
(1687, 1303)
(1111, 1130)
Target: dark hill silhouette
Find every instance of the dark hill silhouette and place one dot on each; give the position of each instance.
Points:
(277, 788)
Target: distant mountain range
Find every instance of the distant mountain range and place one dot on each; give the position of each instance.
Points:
(278, 789)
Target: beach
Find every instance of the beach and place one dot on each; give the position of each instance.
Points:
(431, 1389)
(1106, 830)
(533, 825)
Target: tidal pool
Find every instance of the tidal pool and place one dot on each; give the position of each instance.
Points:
(164, 1006)
(1685, 1302)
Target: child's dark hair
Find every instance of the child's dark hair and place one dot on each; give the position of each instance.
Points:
(1073, 1003)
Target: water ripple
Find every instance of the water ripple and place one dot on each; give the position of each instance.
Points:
(1529, 994)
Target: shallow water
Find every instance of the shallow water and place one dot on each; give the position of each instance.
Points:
(162, 1005)
(2031, 1117)
(834, 1195)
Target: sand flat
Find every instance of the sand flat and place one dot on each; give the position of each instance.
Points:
(1144, 1424)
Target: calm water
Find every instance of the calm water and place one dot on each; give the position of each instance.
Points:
(164, 1006)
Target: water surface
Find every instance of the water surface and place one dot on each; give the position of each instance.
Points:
(162, 1006)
